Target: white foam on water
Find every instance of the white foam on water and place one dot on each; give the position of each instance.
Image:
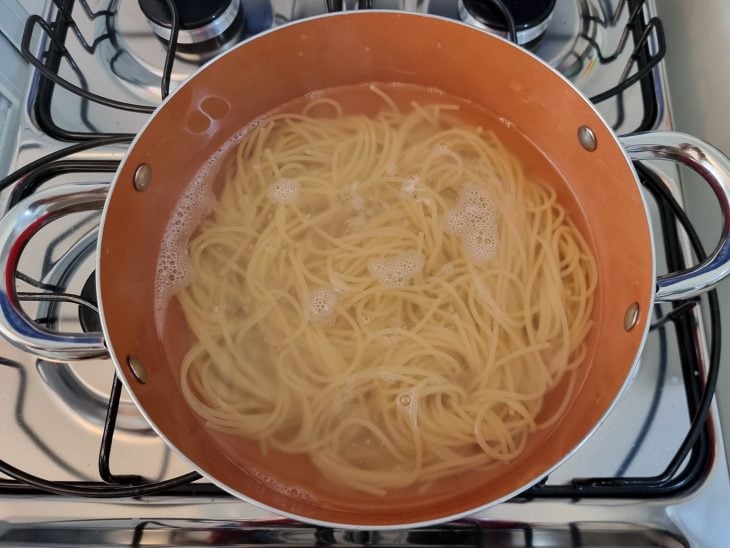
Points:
(174, 271)
(355, 222)
(398, 271)
(343, 397)
(353, 196)
(288, 490)
(408, 402)
(321, 306)
(435, 91)
(314, 95)
(506, 122)
(474, 222)
(388, 378)
(398, 85)
(410, 185)
(284, 191)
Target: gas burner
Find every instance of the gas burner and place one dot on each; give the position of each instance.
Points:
(135, 56)
(531, 18)
(204, 26)
(572, 37)
(82, 386)
(565, 34)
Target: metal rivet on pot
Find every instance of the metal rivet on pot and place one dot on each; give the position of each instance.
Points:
(631, 317)
(142, 177)
(587, 138)
(138, 370)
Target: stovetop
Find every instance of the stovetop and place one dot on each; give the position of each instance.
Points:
(55, 417)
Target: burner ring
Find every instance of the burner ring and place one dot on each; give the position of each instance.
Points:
(531, 18)
(195, 29)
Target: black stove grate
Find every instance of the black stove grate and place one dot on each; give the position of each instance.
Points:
(57, 33)
(644, 57)
(685, 469)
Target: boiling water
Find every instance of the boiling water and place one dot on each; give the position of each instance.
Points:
(471, 217)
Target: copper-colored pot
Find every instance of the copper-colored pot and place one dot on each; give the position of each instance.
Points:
(596, 181)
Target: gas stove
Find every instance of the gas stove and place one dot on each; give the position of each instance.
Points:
(653, 474)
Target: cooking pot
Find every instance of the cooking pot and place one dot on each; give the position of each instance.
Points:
(598, 179)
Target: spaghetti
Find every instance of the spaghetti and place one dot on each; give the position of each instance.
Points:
(387, 295)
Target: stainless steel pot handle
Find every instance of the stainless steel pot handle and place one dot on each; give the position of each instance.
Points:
(714, 167)
(16, 228)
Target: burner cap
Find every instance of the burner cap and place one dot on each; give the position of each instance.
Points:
(531, 17)
(199, 21)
